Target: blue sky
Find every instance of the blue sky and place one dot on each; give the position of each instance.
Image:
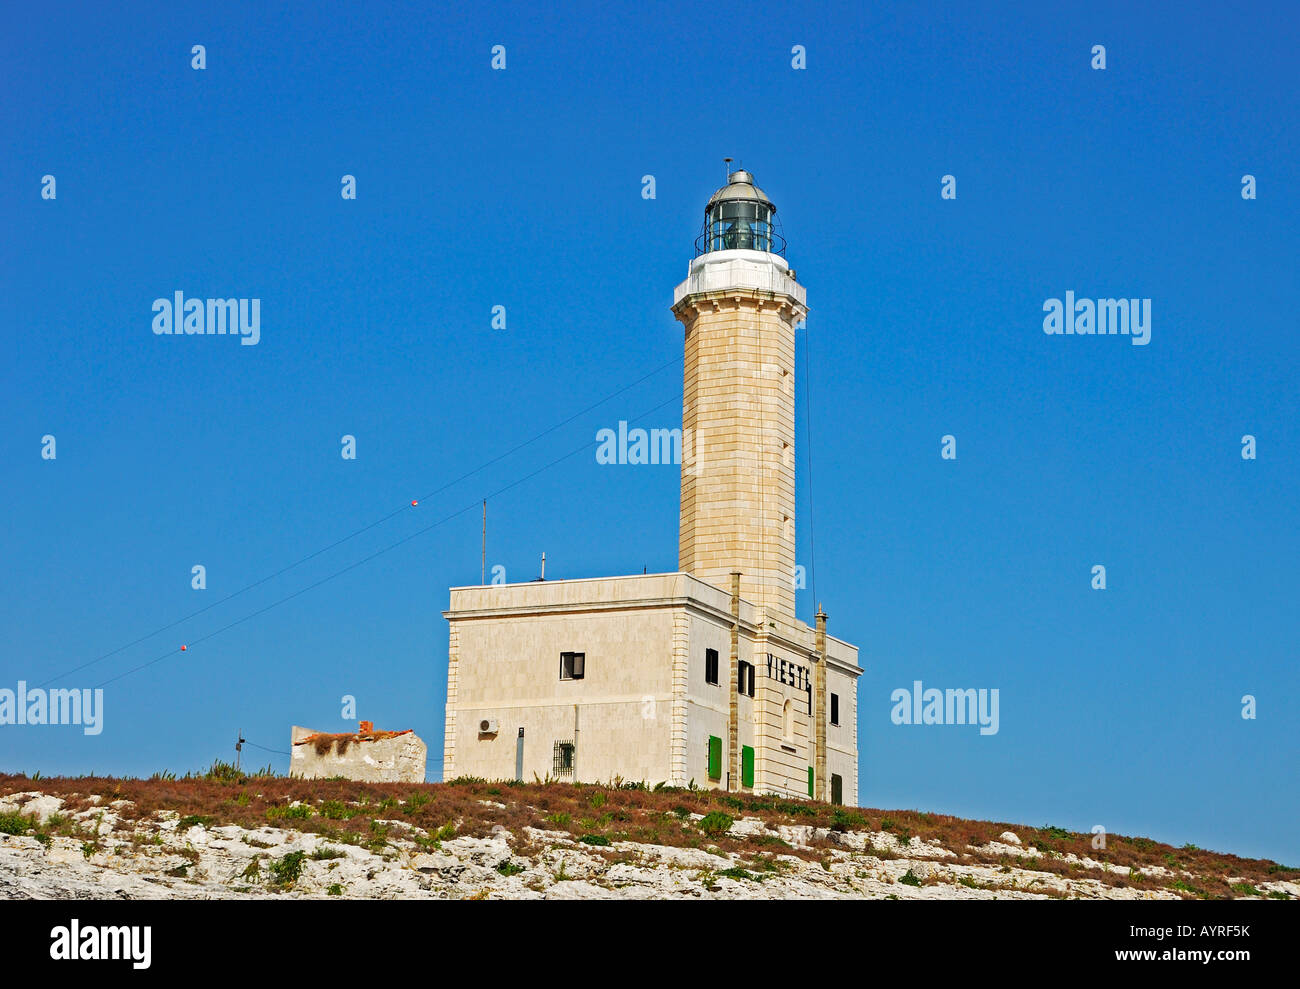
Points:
(522, 188)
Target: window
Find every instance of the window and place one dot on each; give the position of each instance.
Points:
(572, 665)
(837, 789)
(563, 759)
(787, 721)
(835, 709)
(747, 765)
(711, 666)
(715, 757)
(745, 678)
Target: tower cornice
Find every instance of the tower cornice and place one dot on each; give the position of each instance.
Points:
(788, 307)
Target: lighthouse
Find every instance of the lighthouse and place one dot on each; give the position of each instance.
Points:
(739, 305)
(702, 676)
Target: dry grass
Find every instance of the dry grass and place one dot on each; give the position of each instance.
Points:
(358, 813)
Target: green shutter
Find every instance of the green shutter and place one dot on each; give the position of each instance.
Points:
(837, 789)
(715, 757)
(810, 781)
(746, 765)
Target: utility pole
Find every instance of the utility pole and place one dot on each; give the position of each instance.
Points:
(239, 747)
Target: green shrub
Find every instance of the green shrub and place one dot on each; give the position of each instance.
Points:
(298, 812)
(910, 879)
(325, 853)
(336, 810)
(738, 873)
(716, 823)
(594, 839)
(415, 802)
(508, 868)
(288, 869)
(845, 820)
(15, 823)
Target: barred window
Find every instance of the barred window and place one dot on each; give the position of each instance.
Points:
(563, 759)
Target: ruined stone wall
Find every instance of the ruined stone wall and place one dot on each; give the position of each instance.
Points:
(374, 757)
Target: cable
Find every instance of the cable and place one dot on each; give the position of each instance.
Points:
(363, 529)
(586, 446)
(264, 748)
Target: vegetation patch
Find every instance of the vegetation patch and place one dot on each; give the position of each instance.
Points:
(14, 823)
(650, 812)
(288, 870)
(716, 823)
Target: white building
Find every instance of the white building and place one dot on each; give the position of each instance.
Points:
(705, 674)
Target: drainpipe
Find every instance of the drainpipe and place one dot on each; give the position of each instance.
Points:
(519, 757)
(820, 790)
(733, 716)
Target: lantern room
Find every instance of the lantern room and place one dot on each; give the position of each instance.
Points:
(740, 217)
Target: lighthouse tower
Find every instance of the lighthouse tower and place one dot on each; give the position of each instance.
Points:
(739, 305)
(703, 675)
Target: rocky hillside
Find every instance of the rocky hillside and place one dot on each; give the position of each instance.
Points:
(227, 835)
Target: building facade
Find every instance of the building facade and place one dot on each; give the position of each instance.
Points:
(703, 675)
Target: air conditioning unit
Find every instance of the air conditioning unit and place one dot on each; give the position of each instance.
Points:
(488, 726)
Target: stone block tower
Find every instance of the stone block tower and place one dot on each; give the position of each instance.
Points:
(739, 306)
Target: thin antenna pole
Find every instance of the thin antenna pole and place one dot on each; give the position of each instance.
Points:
(543, 565)
(484, 577)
